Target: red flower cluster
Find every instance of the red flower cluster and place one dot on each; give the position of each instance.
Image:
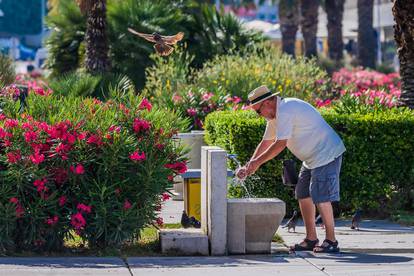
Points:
(40, 185)
(84, 208)
(78, 222)
(178, 167)
(145, 104)
(140, 125)
(78, 169)
(127, 204)
(52, 221)
(135, 156)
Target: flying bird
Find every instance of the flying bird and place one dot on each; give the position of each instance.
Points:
(291, 224)
(356, 219)
(162, 43)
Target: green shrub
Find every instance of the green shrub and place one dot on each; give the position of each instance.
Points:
(83, 84)
(7, 74)
(378, 166)
(237, 75)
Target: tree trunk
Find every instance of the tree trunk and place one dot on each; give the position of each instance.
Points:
(335, 11)
(404, 37)
(366, 34)
(309, 23)
(97, 48)
(289, 24)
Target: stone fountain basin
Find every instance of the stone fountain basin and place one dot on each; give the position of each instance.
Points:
(252, 223)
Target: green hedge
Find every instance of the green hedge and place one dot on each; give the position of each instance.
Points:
(378, 166)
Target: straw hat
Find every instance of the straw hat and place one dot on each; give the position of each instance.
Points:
(260, 94)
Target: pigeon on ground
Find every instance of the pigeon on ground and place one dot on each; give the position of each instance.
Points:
(162, 43)
(185, 220)
(195, 223)
(319, 221)
(356, 219)
(291, 224)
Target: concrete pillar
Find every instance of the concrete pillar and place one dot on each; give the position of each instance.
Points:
(214, 198)
(204, 186)
(217, 198)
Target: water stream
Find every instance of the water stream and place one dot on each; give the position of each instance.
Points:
(235, 181)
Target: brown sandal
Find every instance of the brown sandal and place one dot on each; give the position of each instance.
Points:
(327, 247)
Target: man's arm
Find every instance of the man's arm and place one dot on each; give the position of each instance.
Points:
(261, 148)
(272, 151)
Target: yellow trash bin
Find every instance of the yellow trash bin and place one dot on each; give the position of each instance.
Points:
(192, 193)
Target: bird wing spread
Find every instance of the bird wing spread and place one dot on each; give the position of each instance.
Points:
(163, 50)
(173, 39)
(148, 37)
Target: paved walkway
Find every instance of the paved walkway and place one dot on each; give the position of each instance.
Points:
(365, 264)
(379, 248)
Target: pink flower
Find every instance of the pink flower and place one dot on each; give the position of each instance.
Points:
(78, 221)
(14, 200)
(236, 99)
(19, 211)
(52, 221)
(79, 169)
(137, 156)
(95, 139)
(140, 125)
(62, 200)
(82, 136)
(27, 126)
(113, 128)
(84, 208)
(13, 157)
(207, 96)
(179, 167)
(192, 112)
(165, 197)
(145, 104)
(40, 184)
(160, 146)
(177, 98)
(159, 221)
(2, 117)
(11, 123)
(30, 136)
(127, 205)
(37, 158)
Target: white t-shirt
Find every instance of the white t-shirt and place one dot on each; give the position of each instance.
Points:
(308, 135)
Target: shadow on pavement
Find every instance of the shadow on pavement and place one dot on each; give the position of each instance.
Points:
(360, 258)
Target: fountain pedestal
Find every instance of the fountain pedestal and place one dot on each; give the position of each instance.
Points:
(252, 223)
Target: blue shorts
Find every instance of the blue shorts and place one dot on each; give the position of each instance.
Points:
(322, 183)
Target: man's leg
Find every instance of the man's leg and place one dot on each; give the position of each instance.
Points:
(326, 211)
(307, 208)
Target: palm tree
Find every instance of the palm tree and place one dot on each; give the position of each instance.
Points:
(404, 37)
(335, 11)
(366, 34)
(309, 24)
(97, 47)
(289, 24)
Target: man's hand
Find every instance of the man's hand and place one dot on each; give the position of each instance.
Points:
(241, 173)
